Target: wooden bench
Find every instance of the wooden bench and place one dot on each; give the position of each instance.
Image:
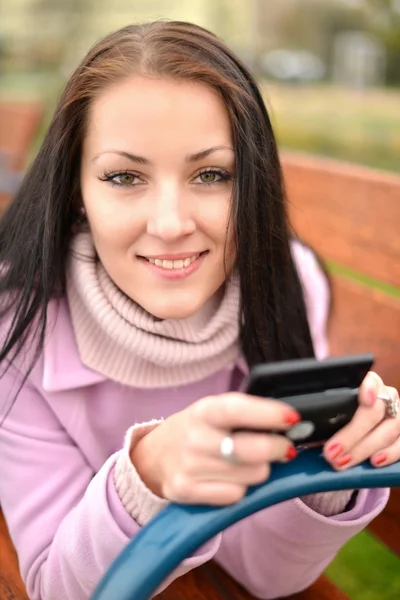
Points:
(350, 215)
(19, 124)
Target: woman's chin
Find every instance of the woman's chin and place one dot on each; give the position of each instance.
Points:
(176, 304)
(173, 311)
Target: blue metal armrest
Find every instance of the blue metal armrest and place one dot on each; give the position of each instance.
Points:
(179, 529)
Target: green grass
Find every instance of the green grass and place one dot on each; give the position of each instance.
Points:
(361, 127)
(382, 286)
(366, 570)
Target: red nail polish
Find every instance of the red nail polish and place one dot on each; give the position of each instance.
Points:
(291, 453)
(344, 460)
(334, 450)
(291, 417)
(380, 458)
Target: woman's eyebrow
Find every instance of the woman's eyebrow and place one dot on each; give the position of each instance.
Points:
(204, 153)
(133, 157)
(145, 161)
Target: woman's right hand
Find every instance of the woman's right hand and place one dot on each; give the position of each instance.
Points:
(180, 459)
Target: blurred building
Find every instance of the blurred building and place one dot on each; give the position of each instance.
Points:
(359, 60)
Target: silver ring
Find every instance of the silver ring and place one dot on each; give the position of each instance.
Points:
(227, 449)
(392, 406)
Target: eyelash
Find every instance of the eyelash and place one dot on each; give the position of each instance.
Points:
(108, 177)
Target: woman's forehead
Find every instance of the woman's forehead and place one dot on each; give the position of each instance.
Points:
(153, 110)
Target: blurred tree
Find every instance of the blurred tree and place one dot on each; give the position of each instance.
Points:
(384, 22)
(313, 25)
(64, 22)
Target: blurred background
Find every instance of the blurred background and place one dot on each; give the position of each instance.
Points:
(330, 69)
(330, 74)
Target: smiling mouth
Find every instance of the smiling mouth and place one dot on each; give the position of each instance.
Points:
(173, 264)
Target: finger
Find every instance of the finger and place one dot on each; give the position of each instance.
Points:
(390, 391)
(258, 448)
(363, 422)
(249, 448)
(230, 411)
(387, 456)
(393, 392)
(210, 493)
(255, 448)
(377, 444)
(213, 469)
(369, 389)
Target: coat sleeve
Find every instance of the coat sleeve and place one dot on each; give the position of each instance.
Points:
(283, 549)
(66, 521)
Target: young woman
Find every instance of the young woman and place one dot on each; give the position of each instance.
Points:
(147, 264)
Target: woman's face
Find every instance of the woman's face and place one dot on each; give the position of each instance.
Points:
(156, 179)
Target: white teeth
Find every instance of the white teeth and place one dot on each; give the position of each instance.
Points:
(173, 264)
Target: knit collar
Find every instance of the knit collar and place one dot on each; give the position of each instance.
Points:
(119, 339)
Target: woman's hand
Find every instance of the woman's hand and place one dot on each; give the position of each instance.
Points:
(370, 434)
(181, 458)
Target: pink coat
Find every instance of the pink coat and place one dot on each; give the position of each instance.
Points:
(58, 448)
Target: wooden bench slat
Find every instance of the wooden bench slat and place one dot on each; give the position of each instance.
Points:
(19, 122)
(322, 589)
(350, 214)
(210, 582)
(11, 586)
(366, 320)
(5, 199)
(386, 526)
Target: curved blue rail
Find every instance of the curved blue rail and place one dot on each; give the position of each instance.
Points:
(179, 529)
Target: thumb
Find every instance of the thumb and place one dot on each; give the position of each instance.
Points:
(369, 389)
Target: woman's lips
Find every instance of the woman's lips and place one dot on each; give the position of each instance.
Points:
(171, 270)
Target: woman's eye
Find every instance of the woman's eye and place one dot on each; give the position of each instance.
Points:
(213, 176)
(124, 178)
(121, 179)
(209, 177)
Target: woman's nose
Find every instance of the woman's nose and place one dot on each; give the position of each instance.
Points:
(170, 218)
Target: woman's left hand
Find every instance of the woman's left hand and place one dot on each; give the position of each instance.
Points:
(371, 434)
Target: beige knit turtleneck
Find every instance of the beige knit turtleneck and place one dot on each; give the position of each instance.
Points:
(119, 339)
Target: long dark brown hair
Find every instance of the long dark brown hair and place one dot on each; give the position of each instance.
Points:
(36, 229)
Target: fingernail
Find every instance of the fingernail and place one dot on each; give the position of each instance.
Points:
(291, 417)
(344, 460)
(334, 450)
(379, 459)
(291, 453)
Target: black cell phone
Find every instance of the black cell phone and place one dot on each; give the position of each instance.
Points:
(324, 392)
